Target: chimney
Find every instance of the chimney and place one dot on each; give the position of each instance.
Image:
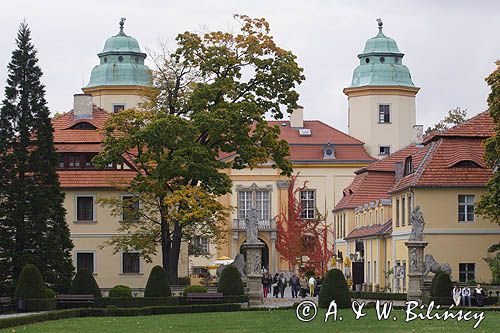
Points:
(418, 134)
(297, 117)
(398, 168)
(82, 106)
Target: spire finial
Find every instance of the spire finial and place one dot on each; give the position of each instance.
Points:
(380, 23)
(122, 23)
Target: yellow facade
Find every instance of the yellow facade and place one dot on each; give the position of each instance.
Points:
(91, 236)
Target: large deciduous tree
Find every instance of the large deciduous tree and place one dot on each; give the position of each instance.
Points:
(32, 218)
(489, 204)
(454, 117)
(208, 100)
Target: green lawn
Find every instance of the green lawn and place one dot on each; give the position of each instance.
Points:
(258, 321)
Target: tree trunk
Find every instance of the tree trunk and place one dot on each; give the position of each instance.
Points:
(175, 251)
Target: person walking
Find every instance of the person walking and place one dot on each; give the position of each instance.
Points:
(479, 295)
(282, 284)
(266, 283)
(312, 285)
(303, 286)
(275, 285)
(466, 295)
(294, 284)
(457, 295)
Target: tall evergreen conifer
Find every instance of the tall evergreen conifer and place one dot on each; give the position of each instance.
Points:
(32, 219)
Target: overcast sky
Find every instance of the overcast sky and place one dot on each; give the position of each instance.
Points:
(449, 46)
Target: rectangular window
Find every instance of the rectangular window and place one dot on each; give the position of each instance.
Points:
(131, 263)
(262, 201)
(467, 272)
(403, 213)
(410, 208)
(397, 212)
(308, 202)
(85, 260)
(84, 208)
(466, 208)
(384, 150)
(199, 270)
(118, 107)
(384, 115)
(199, 245)
(245, 203)
(130, 208)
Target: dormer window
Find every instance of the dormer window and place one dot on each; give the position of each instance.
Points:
(408, 166)
(328, 152)
(83, 126)
(466, 164)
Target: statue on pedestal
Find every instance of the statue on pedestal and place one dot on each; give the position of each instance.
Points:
(251, 226)
(417, 225)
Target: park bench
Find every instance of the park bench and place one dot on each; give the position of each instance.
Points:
(5, 304)
(205, 297)
(72, 299)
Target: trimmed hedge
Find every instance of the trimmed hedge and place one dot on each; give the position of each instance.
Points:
(135, 302)
(41, 304)
(230, 282)
(120, 291)
(335, 288)
(379, 295)
(442, 286)
(236, 299)
(84, 284)
(30, 283)
(49, 293)
(443, 300)
(193, 289)
(157, 285)
(115, 312)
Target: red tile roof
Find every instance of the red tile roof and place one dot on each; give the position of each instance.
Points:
(64, 134)
(366, 187)
(370, 231)
(388, 163)
(95, 178)
(479, 126)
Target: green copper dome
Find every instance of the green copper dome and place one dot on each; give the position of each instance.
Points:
(381, 64)
(121, 63)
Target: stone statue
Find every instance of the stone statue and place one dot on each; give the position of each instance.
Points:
(239, 263)
(413, 260)
(417, 225)
(251, 226)
(256, 264)
(431, 265)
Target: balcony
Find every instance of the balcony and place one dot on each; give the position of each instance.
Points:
(264, 225)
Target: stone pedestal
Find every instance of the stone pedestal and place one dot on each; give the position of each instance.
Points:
(416, 270)
(253, 267)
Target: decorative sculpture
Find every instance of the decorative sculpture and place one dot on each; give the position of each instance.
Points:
(256, 264)
(239, 263)
(413, 260)
(251, 226)
(431, 265)
(417, 225)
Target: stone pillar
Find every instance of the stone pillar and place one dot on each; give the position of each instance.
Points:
(273, 265)
(253, 271)
(416, 270)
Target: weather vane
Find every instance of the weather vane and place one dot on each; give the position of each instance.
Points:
(379, 21)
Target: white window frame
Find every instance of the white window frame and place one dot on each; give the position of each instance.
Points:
(466, 204)
(303, 208)
(94, 208)
(121, 263)
(122, 218)
(118, 104)
(93, 252)
(378, 113)
(385, 146)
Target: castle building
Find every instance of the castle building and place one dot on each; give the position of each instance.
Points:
(381, 98)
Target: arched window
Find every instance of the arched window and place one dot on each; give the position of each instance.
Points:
(83, 126)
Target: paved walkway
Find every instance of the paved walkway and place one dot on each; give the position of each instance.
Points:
(12, 315)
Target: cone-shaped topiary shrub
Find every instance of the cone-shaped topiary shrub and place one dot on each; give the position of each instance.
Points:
(334, 287)
(442, 285)
(30, 283)
(158, 285)
(85, 284)
(230, 282)
(120, 291)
